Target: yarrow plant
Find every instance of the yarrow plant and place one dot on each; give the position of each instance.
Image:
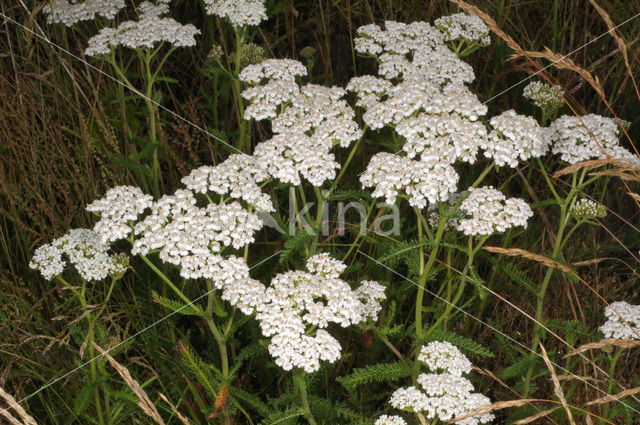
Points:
(193, 244)
(443, 394)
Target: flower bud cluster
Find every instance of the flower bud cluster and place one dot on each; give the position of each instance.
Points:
(462, 27)
(444, 394)
(298, 301)
(489, 211)
(586, 208)
(544, 96)
(591, 136)
(118, 209)
(84, 249)
(515, 137)
(71, 12)
(617, 314)
(149, 30)
(239, 12)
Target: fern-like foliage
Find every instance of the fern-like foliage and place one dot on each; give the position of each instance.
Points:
(381, 372)
(295, 244)
(462, 342)
(203, 372)
(176, 306)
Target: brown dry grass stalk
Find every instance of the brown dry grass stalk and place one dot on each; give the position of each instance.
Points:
(615, 397)
(557, 388)
(145, 403)
(11, 402)
(607, 342)
(622, 46)
(500, 405)
(537, 416)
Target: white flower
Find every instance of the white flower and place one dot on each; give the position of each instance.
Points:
(273, 69)
(422, 181)
(397, 38)
(445, 356)
(543, 95)
(390, 420)
(239, 12)
(489, 211)
(515, 137)
(118, 209)
(290, 156)
(370, 293)
(266, 98)
(463, 27)
(444, 396)
(586, 208)
(447, 137)
(85, 250)
(615, 327)
(189, 236)
(70, 12)
(296, 300)
(148, 31)
(238, 176)
(578, 139)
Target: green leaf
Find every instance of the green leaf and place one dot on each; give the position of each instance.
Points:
(177, 306)
(381, 372)
(462, 342)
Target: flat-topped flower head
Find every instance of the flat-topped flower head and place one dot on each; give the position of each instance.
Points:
(514, 138)
(296, 301)
(489, 211)
(71, 12)
(239, 12)
(447, 137)
(444, 394)
(118, 209)
(238, 177)
(289, 157)
(461, 27)
(591, 136)
(444, 356)
(273, 69)
(615, 326)
(321, 113)
(189, 236)
(84, 249)
(586, 208)
(390, 420)
(421, 181)
(544, 96)
(397, 37)
(148, 31)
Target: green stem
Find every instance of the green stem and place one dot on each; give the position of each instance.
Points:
(302, 389)
(170, 283)
(611, 380)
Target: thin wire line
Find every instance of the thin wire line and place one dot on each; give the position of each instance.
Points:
(491, 327)
(124, 341)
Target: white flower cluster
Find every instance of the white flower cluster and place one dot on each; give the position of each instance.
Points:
(614, 327)
(514, 137)
(148, 31)
(489, 211)
(446, 137)
(118, 209)
(445, 395)
(239, 12)
(543, 95)
(390, 420)
(190, 236)
(463, 27)
(70, 12)
(85, 250)
(444, 357)
(307, 121)
(425, 180)
(296, 300)
(238, 176)
(578, 139)
(586, 208)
